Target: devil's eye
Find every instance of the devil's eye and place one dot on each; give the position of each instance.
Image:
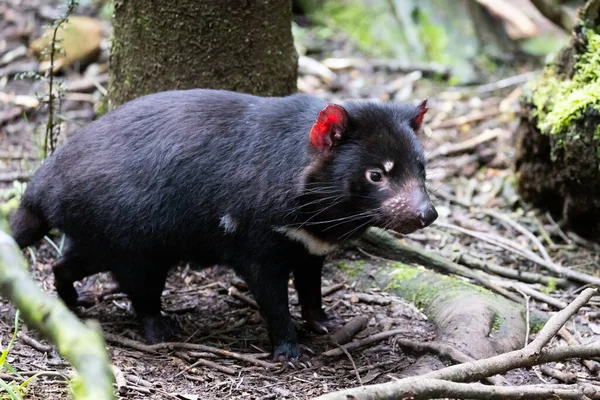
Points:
(374, 176)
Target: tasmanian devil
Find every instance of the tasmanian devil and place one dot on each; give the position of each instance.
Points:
(267, 186)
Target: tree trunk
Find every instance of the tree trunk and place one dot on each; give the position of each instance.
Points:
(558, 139)
(244, 46)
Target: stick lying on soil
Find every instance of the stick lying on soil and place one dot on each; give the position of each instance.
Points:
(429, 385)
(153, 348)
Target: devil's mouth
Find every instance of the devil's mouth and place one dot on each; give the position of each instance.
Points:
(402, 226)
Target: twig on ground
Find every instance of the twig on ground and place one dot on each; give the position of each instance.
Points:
(502, 83)
(332, 289)
(369, 298)
(235, 293)
(544, 232)
(153, 348)
(364, 342)
(417, 388)
(527, 312)
(208, 364)
(529, 291)
(583, 241)
(358, 378)
(27, 102)
(557, 269)
(350, 329)
(520, 228)
(443, 350)
(565, 377)
(572, 341)
(469, 144)
(522, 276)
(467, 119)
(560, 319)
(558, 229)
(31, 342)
(493, 239)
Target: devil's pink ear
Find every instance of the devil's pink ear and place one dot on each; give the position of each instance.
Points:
(416, 122)
(329, 127)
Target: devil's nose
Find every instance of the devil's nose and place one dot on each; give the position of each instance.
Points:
(427, 214)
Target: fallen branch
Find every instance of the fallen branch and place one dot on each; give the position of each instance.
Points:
(531, 355)
(34, 344)
(550, 266)
(523, 276)
(544, 298)
(520, 228)
(417, 388)
(81, 344)
(378, 337)
(565, 377)
(153, 348)
(208, 364)
(235, 293)
(469, 144)
(467, 119)
(571, 341)
(350, 329)
(326, 291)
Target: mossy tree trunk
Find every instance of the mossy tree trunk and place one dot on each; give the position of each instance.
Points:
(558, 140)
(244, 46)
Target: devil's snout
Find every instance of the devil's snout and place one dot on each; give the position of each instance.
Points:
(427, 214)
(420, 207)
(410, 209)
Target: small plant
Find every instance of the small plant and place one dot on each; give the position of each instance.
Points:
(51, 133)
(52, 130)
(14, 391)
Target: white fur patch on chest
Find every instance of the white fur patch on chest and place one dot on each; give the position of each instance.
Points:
(313, 244)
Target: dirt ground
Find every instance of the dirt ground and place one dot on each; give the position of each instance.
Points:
(200, 303)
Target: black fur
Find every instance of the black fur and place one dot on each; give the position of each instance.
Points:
(211, 177)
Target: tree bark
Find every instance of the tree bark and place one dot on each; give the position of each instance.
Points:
(558, 139)
(244, 46)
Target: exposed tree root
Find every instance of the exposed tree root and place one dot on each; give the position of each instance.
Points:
(442, 383)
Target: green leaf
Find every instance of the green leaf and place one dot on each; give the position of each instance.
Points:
(10, 345)
(13, 395)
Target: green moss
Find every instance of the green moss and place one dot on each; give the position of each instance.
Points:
(551, 287)
(560, 102)
(536, 327)
(351, 269)
(496, 322)
(422, 296)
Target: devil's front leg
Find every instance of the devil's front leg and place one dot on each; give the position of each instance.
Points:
(267, 277)
(307, 279)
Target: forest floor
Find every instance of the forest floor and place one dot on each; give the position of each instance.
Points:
(469, 181)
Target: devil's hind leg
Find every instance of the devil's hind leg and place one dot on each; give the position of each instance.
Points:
(75, 263)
